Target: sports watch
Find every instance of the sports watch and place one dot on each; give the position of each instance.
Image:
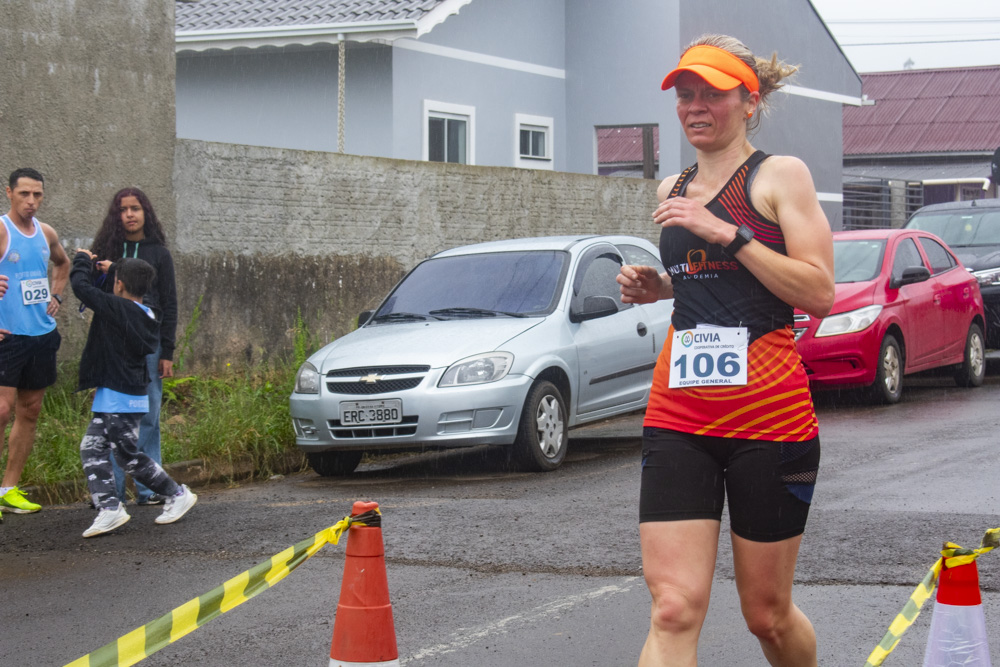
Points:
(743, 236)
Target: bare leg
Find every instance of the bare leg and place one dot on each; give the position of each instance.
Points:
(678, 561)
(27, 407)
(764, 574)
(7, 397)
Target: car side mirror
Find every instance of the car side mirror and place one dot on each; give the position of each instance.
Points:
(364, 317)
(593, 308)
(911, 274)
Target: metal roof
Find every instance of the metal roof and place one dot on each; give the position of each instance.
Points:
(225, 24)
(226, 14)
(926, 111)
(623, 145)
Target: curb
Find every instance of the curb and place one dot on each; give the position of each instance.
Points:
(195, 473)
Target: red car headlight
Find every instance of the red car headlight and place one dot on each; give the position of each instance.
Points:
(850, 322)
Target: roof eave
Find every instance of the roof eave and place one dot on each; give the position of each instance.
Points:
(303, 35)
(952, 155)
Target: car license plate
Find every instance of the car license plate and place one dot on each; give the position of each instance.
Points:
(368, 413)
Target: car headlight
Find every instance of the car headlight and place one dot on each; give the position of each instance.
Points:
(479, 369)
(307, 380)
(844, 323)
(987, 277)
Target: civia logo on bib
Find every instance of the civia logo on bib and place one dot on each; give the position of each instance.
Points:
(687, 339)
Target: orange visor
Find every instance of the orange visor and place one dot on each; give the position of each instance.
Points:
(718, 67)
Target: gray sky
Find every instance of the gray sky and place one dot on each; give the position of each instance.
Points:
(882, 35)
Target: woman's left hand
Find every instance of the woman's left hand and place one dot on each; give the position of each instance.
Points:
(694, 217)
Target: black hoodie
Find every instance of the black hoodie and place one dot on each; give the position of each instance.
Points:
(162, 296)
(121, 335)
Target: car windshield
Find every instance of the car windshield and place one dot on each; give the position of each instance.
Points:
(857, 261)
(500, 284)
(963, 228)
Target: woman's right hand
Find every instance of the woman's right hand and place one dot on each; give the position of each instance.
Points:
(641, 284)
(104, 265)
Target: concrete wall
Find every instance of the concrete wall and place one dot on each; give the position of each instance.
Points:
(86, 97)
(265, 234)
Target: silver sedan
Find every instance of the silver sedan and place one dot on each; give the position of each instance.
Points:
(507, 343)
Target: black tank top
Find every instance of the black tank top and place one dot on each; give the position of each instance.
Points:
(711, 287)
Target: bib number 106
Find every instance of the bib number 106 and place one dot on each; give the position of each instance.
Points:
(705, 365)
(709, 357)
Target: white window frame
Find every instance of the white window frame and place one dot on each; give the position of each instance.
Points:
(433, 109)
(524, 121)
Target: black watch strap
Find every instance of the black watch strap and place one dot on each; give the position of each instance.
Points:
(743, 236)
(57, 298)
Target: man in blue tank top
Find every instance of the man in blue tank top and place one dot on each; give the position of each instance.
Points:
(28, 335)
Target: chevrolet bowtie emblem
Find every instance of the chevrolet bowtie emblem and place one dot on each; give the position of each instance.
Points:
(371, 378)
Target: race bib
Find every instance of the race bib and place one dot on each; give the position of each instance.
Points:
(709, 356)
(35, 290)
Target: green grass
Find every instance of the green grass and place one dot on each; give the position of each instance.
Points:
(235, 415)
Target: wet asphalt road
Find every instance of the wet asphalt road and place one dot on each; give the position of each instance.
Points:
(489, 567)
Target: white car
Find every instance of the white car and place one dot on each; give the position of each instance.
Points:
(505, 343)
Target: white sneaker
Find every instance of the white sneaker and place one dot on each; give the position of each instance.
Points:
(107, 520)
(177, 506)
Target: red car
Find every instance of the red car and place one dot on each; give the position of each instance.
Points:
(904, 303)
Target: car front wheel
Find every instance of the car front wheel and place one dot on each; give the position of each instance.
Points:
(542, 434)
(334, 464)
(973, 368)
(888, 386)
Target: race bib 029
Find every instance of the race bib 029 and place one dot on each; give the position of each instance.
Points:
(709, 356)
(35, 290)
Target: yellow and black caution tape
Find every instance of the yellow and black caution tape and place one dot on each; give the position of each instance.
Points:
(951, 556)
(150, 638)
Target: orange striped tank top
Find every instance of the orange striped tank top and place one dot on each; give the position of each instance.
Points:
(714, 288)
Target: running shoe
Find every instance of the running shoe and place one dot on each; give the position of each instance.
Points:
(107, 520)
(177, 506)
(15, 502)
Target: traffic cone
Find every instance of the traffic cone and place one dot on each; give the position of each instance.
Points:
(958, 627)
(363, 632)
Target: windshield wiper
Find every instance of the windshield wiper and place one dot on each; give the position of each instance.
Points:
(401, 317)
(474, 312)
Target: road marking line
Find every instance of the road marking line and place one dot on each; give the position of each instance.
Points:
(465, 638)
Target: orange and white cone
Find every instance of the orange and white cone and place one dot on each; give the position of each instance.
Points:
(958, 626)
(363, 632)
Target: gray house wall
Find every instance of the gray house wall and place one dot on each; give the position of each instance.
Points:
(527, 31)
(623, 89)
(287, 97)
(87, 98)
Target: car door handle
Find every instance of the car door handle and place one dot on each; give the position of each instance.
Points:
(641, 329)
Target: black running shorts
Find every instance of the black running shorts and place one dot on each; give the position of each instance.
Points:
(29, 362)
(769, 484)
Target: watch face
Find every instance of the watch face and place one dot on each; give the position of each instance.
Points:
(743, 236)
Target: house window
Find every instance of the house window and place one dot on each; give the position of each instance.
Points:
(533, 143)
(449, 132)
